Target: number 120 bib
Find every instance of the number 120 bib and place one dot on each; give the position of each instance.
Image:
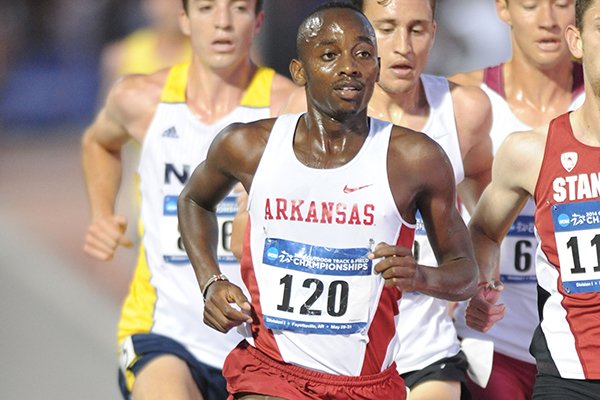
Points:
(314, 289)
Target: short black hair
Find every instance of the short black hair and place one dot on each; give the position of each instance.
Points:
(324, 6)
(258, 8)
(581, 6)
(334, 4)
(361, 4)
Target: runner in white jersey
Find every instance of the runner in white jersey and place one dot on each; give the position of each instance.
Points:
(512, 334)
(557, 165)
(285, 255)
(324, 188)
(431, 336)
(164, 298)
(166, 350)
(456, 117)
(507, 84)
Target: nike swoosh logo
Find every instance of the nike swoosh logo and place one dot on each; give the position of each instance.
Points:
(354, 189)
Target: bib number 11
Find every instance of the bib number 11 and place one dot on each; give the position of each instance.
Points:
(573, 245)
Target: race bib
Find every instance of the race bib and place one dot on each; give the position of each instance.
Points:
(422, 251)
(577, 233)
(172, 245)
(313, 289)
(518, 252)
(226, 211)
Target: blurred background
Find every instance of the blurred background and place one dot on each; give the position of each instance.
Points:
(59, 308)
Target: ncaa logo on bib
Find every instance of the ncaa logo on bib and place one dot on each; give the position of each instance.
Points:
(568, 160)
(563, 220)
(272, 253)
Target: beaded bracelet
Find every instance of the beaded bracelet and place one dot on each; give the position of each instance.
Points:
(211, 280)
(493, 284)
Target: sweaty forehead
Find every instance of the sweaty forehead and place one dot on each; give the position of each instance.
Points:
(335, 22)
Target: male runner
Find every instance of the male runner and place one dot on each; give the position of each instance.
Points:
(539, 82)
(557, 165)
(333, 197)
(459, 119)
(166, 350)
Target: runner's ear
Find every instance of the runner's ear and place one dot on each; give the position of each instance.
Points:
(297, 72)
(573, 37)
(502, 11)
(184, 23)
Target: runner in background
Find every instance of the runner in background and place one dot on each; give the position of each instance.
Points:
(539, 82)
(159, 44)
(557, 166)
(459, 119)
(166, 349)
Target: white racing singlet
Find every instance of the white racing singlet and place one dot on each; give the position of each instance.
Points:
(164, 297)
(319, 303)
(425, 329)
